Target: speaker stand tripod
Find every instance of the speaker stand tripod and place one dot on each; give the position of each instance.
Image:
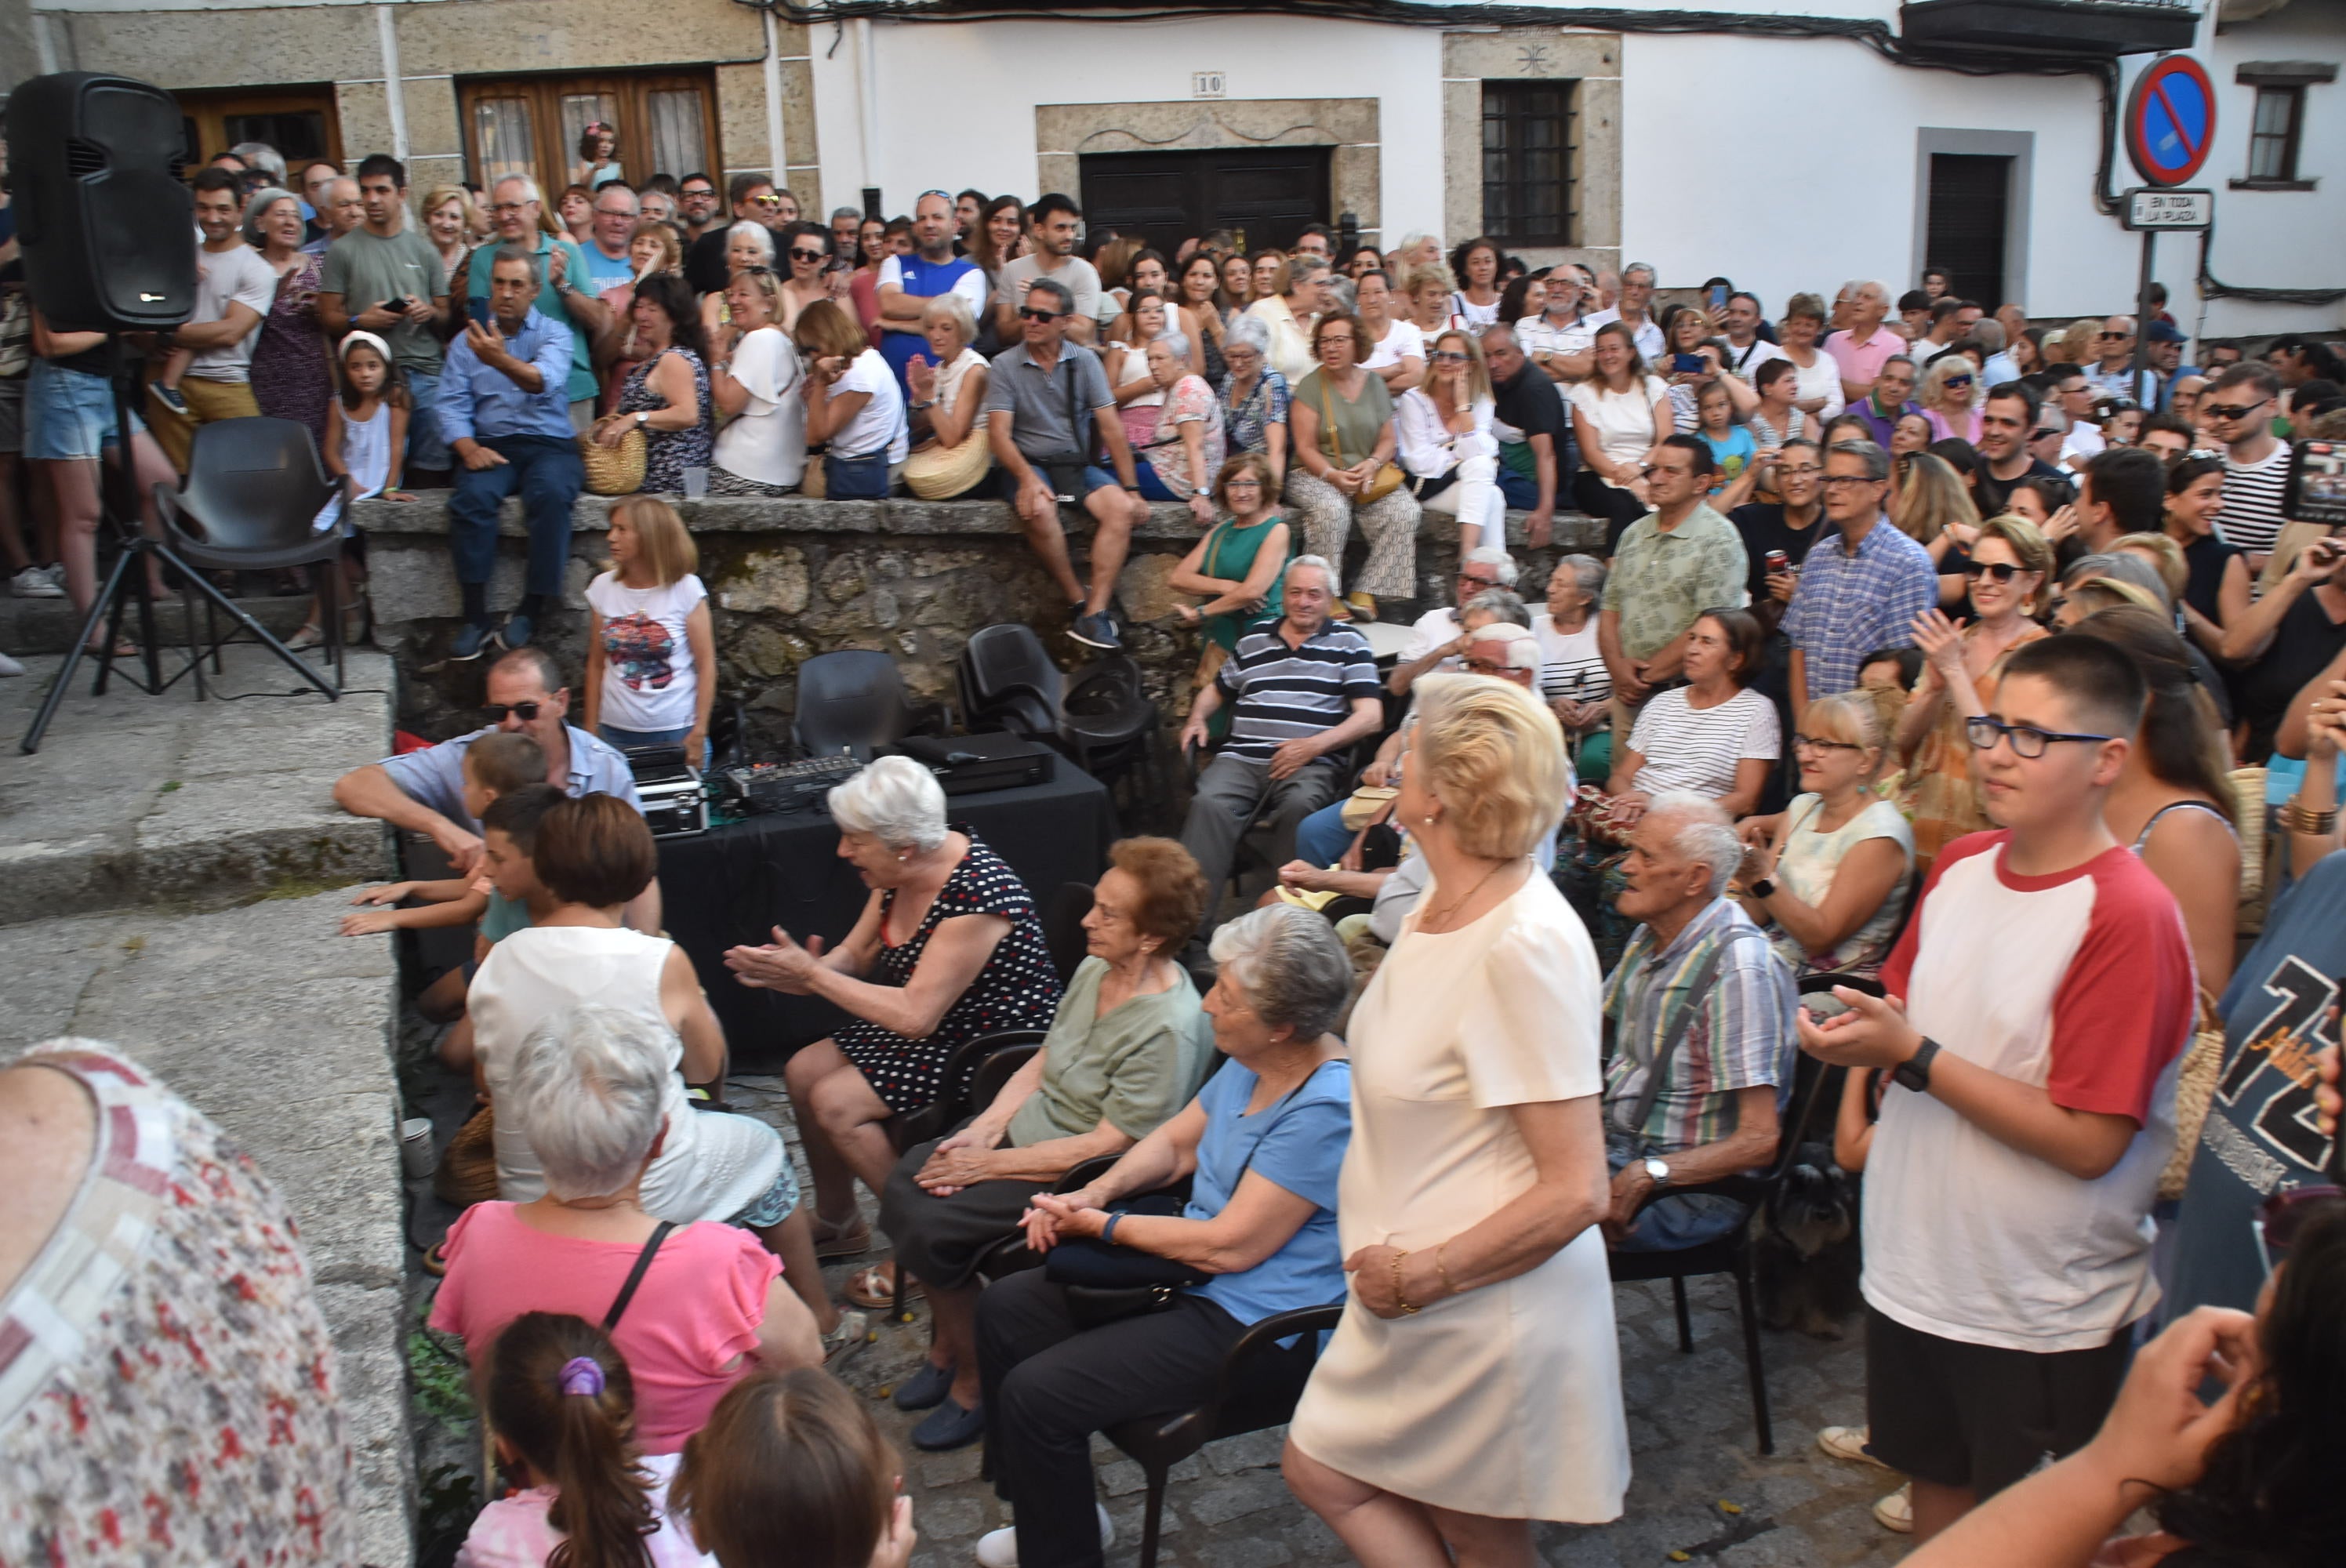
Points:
(129, 578)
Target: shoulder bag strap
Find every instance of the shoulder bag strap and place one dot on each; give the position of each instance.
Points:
(1697, 987)
(636, 1275)
(1328, 426)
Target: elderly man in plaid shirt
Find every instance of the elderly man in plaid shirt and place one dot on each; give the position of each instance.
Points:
(1701, 1039)
(1859, 592)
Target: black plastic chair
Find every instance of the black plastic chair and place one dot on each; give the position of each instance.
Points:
(850, 701)
(1008, 682)
(1108, 724)
(1731, 1253)
(254, 488)
(1247, 1396)
(1063, 928)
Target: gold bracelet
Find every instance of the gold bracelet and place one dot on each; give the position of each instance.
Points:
(1398, 1295)
(2298, 820)
(1439, 1268)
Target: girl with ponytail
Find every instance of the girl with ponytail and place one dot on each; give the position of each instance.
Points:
(563, 1407)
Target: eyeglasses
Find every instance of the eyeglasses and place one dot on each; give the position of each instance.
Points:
(696, 195)
(1833, 479)
(2027, 740)
(1806, 471)
(799, 255)
(1030, 314)
(524, 711)
(509, 206)
(1478, 582)
(2232, 411)
(2281, 1217)
(2000, 571)
(1243, 485)
(1482, 667)
(1819, 743)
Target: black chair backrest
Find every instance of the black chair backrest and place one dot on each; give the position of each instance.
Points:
(1063, 928)
(1809, 1079)
(1107, 704)
(997, 1071)
(1006, 678)
(255, 484)
(850, 701)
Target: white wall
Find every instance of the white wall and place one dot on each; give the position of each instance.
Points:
(2271, 239)
(957, 100)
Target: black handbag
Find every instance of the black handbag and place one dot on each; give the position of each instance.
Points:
(1106, 1280)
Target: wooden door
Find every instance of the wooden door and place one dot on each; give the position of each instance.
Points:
(298, 122)
(1264, 196)
(666, 124)
(1971, 196)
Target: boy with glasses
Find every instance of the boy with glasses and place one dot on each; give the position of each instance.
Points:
(2038, 1003)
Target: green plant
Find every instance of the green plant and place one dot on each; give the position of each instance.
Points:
(438, 1372)
(446, 1502)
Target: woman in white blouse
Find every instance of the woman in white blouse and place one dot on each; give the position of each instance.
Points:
(853, 403)
(1819, 391)
(761, 451)
(1620, 415)
(1290, 313)
(1444, 429)
(948, 386)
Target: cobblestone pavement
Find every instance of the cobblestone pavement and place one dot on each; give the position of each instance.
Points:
(1701, 1491)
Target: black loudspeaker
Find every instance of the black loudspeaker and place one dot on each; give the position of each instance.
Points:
(107, 224)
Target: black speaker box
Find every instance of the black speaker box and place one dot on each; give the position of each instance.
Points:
(107, 226)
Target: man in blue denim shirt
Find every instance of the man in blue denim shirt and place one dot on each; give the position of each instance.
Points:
(505, 408)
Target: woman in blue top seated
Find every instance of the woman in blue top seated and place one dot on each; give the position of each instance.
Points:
(1262, 1143)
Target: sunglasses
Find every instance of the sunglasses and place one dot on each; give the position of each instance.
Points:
(1030, 314)
(799, 255)
(2281, 1218)
(1998, 571)
(2232, 411)
(524, 711)
(767, 201)
(1957, 382)
(1440, 356)
(2111, 337)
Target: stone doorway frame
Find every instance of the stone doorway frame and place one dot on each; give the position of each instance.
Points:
(1064, 132)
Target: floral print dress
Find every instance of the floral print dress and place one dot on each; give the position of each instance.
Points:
(290, 377)
(668, 453)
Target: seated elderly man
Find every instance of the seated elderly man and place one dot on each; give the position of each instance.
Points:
(1433, 638)
(1128, 1048)
(1700, 1014)
(1301, 689)
(424, 792)
(594, 1085)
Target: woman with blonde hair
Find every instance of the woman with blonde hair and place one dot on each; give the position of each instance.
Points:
(946, 410)
(1934, 508)
(448, 214)
(1427, 289)
(1946, 398)
(652, 646)
(2011, 574)
(852, 404)
(2163, 556)
(1476, 1362)
(1817, 390)
(1445, 441)
(761, 451)
(1826, 877)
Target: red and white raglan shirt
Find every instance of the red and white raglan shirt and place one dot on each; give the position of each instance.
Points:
(2080, 981)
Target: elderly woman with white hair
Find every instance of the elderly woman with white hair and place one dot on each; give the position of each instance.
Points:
(694, 1307)
(1573, 676)
(948, 948)
(1290, 315)
(1474, 1383)
(949, 454)
(748, 244)
(1254, 398)
(1262, 1145)
(1184, 450)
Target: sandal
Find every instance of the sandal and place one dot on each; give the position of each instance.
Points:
(874, 1288)
(310, 636)
(833, 1242)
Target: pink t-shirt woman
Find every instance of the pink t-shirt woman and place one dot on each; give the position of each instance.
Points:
(686, 1334)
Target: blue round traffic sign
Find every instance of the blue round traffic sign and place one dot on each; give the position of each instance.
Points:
(2170, 119)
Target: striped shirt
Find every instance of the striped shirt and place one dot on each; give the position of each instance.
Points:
(1570, 664)
(1740, 1033)
(1280, 693)
(2251, 517)
(1698, 748)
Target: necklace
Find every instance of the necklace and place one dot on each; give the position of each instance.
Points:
(1460, 902)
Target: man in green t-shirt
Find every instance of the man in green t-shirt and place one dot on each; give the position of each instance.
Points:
(515, 206)
(393, 276)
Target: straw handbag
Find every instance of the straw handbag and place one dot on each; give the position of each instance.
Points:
(940, 472)
(614, 470)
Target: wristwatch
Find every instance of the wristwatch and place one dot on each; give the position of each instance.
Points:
(1914, 1073)
(1764, 888)
(1658, 1171)
(643, 417)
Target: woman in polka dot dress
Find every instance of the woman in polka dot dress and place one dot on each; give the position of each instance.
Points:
(948, 948)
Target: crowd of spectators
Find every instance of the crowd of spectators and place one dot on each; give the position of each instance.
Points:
(1925, 648)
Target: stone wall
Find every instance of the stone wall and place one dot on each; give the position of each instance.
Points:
(790, 578)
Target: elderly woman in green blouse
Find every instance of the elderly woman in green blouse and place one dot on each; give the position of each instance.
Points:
(1128, 1047)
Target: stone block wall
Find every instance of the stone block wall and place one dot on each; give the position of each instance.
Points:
(790, 578)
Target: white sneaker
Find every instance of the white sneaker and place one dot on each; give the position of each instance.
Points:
(999, 1548)
(33, 583)
(9, 667)
(1849, 1443)
(1895, 1512)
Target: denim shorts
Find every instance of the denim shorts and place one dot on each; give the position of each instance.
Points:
(775, 1206)
(69, 414)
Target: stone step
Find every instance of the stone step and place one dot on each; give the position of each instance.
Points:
(137, 799)
(30, 627)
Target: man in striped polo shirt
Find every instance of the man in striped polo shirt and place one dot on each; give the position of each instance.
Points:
(1299, 690)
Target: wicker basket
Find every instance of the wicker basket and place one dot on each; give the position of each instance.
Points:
(614, 470)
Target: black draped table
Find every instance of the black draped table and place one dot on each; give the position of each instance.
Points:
(732, 885)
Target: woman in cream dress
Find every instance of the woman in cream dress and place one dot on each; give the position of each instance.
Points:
(1474, 1383)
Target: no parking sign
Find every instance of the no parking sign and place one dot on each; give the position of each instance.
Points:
(2170, 119)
